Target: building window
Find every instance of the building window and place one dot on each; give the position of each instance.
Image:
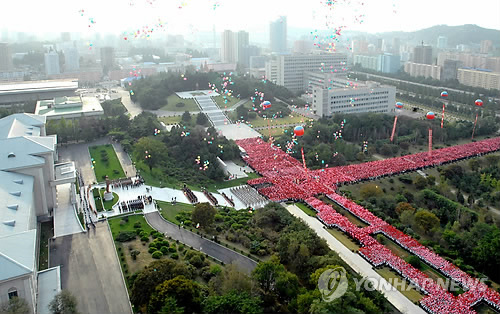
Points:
(12, 293)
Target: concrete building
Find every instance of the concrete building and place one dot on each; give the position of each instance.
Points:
(364, 97)
(422, 54)
(28, 179)
(107, 58)
(396, 43)
(471, 60)
(257, 62)
(479, 78)
(442, 42)
(5, 58)
(13, 76)
(52, 66)
(69, 108)
(278, 35)
(486, 46)
(228, 47)
(425, 70)
(291, 68)
(20, 92)
(242, 50)
(272, 71)
(367, 62)
(247, 52)
(389, 63)
(450, 69)
(71, 60)
(302, 46)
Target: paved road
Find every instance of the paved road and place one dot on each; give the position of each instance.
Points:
(357, 263)
(91, 271)
(124, 159)
(208, 247)
(133, 108)
(216, 116)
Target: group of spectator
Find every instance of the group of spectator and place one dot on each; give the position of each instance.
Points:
(210, 197)
(284, 178)
(128, 182)
(229, 200)
(190, 195)
(131, 205)
(249, 196)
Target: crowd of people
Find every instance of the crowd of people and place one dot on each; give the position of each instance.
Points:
(229, 200)
(190, 195)
(284, 178)
(210, 197)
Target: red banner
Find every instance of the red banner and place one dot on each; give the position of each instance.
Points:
(303, 158)
(394, 127)
(474, 129)
(442, 117)
(430, 141)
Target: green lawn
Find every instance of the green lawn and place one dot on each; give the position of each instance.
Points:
(344, 239)
(231, 101)
(412, 294)
(293, 119)
(169, 211)
(46, 232)
(173, 100)
(108, 205)
(171, 119)
(116, 225)
(352, 218)
(306, 209)
(106, 162)
(275, 132)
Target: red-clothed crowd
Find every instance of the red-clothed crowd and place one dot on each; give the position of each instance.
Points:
(284, 178)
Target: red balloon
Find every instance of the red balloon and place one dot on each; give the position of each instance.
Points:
(298, 131)
(479, 102)
(430, 115)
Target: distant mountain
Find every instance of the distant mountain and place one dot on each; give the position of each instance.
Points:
(462, 34)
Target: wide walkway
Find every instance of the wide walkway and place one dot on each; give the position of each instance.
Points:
(201, 244)
(213, 112)
(65, 219)
(357, 263)
(90, 270)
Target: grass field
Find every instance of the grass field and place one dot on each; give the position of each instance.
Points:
(344, 239)
(355, 220)
(169, 211)
(231, 101)
(108, 205)
(106, 162)
(293, 119)
(46, 232)
(173, 100)
(117, 227)
(409, 292)
(306, 209)
(171, 119)
(276, 132)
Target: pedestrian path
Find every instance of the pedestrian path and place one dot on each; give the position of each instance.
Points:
(65, 218)
(216, 116)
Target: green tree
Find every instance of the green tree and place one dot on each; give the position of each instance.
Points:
(414, 261)
(151, 151)
(232, 302)
(185, 291)
(370, 190)
(15, 305)
(426, 220)
(201, 119)
(266, 273)
(420, 182)
(63, 303)
(403, 206)
(474, 164)
(186, 117)
(204, 214)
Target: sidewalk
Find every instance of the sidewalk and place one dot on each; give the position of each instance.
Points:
(65, 219)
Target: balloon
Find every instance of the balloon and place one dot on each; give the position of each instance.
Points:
(298, 131)
(399, 105)
(479, 102)
(444, 94)
(430, 115)
(266, 105)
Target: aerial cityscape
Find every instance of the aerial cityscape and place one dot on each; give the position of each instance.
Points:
(216, 156)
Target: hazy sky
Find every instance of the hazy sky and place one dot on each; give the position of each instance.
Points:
(191, 16)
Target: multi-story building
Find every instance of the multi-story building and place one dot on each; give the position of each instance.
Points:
(28, 179)
(52, 66)
(242, 43)
(107, 58)
(396, 43)
(228, 47)
(471, 60)
(422, 54)
(278, 35)
(291, 68)
(425, 70)
(367, 62)
(272, 71)
(347, 97)
(389, 63)
(486, 46)
(302, 46)
(449, 70)
(71, 60)
(479, 78)
(5, 58)
(442, 42)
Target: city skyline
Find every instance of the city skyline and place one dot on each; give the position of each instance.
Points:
(188, 17)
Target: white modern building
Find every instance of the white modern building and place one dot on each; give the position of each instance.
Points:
(52, 63)
(291, 69)
(71, 60)
(69, 107)
(28, 179)
(422, 69)
(338, 94)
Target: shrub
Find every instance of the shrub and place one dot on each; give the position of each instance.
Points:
(138, 231)
(143, 234)
(125, 236)
(151, 250)
(137, 225)
(145, 238)
(181, 247)
(179, 104)
(134, 254)
(188, 223)
(172, 249)
(157, 254)
(174, 256)
(116, 171)
(164, 250)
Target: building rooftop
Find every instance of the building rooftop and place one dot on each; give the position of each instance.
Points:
(68, 107)
(16, 193)
(20, 152)
(38, 86)
(15, 261)
(21, 124)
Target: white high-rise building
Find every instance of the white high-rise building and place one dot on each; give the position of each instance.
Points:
(347, 97)
(290, 69)
(52, 63)
(228, 47)
(278, 35)
(71, 60)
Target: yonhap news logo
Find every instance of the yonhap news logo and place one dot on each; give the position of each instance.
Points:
(332, 283)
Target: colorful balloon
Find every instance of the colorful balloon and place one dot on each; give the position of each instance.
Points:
(430, 115)
(298, 131)
(444, 94)
(266, 105)
(479, 102)
(399, 105)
